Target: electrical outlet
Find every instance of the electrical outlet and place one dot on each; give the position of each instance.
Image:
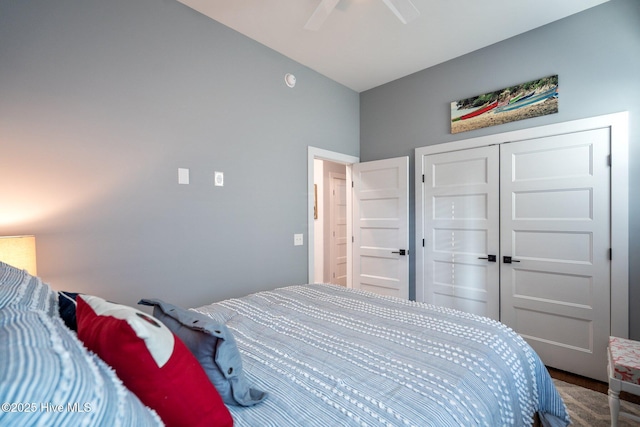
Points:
(298, 239)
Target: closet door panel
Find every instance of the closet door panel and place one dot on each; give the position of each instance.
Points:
(461, 230)
(555, 198)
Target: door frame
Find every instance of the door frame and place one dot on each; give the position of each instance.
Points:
(618, 124)
(335, 157)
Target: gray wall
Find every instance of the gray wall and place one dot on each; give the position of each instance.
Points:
(102, 101)
(595, 53)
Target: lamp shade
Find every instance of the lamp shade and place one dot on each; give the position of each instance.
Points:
(19, 252)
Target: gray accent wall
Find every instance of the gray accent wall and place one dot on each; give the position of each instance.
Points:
(596, 54)
(102, 101)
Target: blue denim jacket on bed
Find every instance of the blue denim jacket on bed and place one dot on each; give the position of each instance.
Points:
(214, 346)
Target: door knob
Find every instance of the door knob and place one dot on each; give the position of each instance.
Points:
(490, 258)
(509, 260)
(401, 252)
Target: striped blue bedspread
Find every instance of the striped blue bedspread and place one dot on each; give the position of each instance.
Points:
(330, 356)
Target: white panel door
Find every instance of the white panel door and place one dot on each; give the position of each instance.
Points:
(381, 226)
(461, 246)
(338, 230)
(555, 225)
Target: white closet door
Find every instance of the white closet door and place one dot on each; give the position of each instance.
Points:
(555, 224)
(381, 226)
(461, 191)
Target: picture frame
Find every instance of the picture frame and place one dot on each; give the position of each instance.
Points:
(523, 101)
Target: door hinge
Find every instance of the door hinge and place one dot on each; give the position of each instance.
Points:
(423, 243)
(609, 160)
(422, 177)
(610, 254)
(351, 184)
(353, 239)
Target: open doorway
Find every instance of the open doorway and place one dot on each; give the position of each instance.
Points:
(377, 223)
(330, 222)
(329, 208)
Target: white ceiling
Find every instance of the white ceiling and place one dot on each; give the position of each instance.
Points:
(362, 44)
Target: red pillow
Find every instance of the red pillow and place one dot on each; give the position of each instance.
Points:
(151, 362)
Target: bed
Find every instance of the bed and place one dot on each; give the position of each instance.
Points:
(331, 356)
(308, 355)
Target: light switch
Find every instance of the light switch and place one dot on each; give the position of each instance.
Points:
(298, 239)
(183, 176)
(218, 179)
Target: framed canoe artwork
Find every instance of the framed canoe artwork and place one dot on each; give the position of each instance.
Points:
(524, 101)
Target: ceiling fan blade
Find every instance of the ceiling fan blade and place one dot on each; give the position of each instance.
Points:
(403, 9)
(320, 14)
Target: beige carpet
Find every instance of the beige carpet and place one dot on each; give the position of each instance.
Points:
(591, 409)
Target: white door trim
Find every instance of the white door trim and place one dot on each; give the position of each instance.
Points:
(332, 156)
(618, 123)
